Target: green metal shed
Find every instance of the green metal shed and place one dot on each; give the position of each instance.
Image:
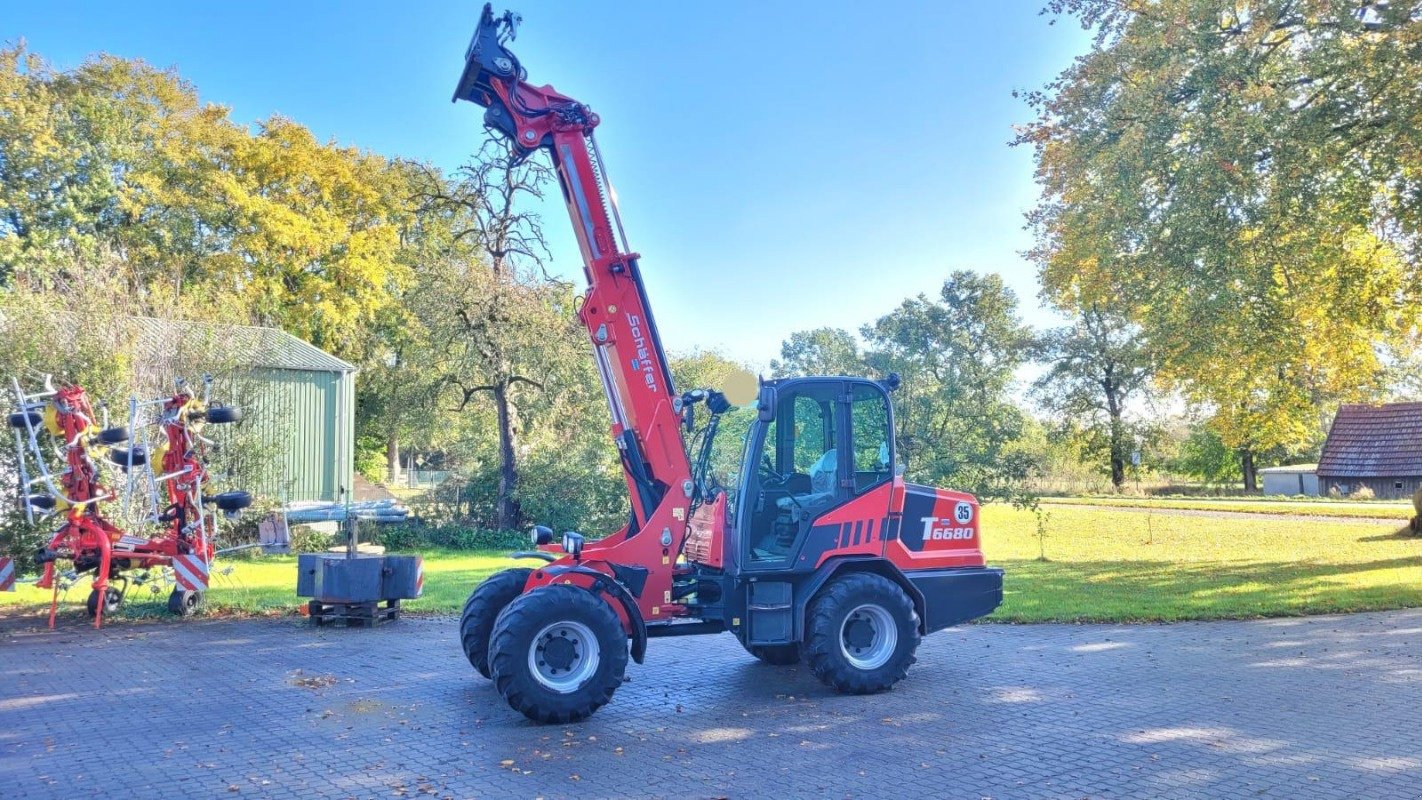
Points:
(298, 401)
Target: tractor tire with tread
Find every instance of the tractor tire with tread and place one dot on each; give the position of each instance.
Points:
(843, 644)
(482, 610)
(780, 655)
(537, 626)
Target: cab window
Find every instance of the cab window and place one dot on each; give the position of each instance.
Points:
(870, 433)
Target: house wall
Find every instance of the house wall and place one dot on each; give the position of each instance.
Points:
(1383, 488)
(1290, 483)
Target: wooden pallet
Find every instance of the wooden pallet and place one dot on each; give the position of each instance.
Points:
(361, 615)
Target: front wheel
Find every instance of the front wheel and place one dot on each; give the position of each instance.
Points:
(476, 623)
(861, 634)
(558, 653)
(780, 655)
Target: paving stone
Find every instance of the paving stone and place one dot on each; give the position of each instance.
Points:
(1317, 707)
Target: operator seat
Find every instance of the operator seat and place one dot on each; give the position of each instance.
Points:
(821, 494)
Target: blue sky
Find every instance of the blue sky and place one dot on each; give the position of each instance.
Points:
(781, 166)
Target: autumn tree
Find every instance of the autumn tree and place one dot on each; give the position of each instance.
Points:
(1095, 368)
(504, 325)
(1244, 178)
(822, 351)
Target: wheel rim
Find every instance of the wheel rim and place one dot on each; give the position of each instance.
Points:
(563, 656)
(868, 637)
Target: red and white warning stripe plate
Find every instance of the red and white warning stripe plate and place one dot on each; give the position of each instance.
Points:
(190, 572)
(7, 575)
(419, 576)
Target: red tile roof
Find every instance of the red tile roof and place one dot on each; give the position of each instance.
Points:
(1374, 442)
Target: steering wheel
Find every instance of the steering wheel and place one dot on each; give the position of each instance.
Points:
(767, 469)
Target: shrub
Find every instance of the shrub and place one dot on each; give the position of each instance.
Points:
(1362, 493)
(306, 539)
(413, 536)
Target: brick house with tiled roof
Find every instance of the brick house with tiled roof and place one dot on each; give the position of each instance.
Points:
(1375, 446)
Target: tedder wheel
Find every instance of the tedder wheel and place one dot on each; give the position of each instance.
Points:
(781, 655)
(184, 602)
(482, 608)
(120, 455)
(230, 501)
(113, 598)
(219, 415)
(115, 435)
(558, 653)
(17, 419)
(861, 633)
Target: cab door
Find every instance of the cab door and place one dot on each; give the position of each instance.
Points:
(795, 471)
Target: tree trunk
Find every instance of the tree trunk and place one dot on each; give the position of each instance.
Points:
(1246, 465)
(510, 516)
(1118, 437)
(392, 458)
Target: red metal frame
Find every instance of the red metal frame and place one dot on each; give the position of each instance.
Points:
(646, 420)
(87, 536)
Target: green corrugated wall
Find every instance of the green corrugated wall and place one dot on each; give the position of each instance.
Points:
(307, 419)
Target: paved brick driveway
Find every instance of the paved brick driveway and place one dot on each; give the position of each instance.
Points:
(1322, 707)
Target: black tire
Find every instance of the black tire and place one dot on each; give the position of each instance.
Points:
(120, 455)
(184, 602)
(230, 501)
(848, 621)
(17, 419)
(43, 502)
(482, 609)
(221, 415)
(113, 599)
(780, 655)
(115, 435)
(538, 624)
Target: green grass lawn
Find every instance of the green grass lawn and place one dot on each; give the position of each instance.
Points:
(267, 585)
(1103, 565)
(1317, 508)
(1108, 565)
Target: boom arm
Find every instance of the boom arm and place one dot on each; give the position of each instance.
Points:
(615, 310)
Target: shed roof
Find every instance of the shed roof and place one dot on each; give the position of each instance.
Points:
(249, 345)
(1374, 442)
(1295, 469)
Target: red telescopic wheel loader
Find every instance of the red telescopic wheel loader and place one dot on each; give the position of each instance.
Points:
(792, 529)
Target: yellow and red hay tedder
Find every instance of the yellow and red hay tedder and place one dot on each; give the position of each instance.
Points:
(67, 480)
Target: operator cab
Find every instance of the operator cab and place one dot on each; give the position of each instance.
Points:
(810, 446)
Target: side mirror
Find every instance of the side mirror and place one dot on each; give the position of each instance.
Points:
(717, 402)
(542, 534)
(765, 406)
(573, 544)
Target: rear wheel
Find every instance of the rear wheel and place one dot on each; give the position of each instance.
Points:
(482, 609)
(558, 653)
(117, 435)
(781, 655)
(861, 634)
